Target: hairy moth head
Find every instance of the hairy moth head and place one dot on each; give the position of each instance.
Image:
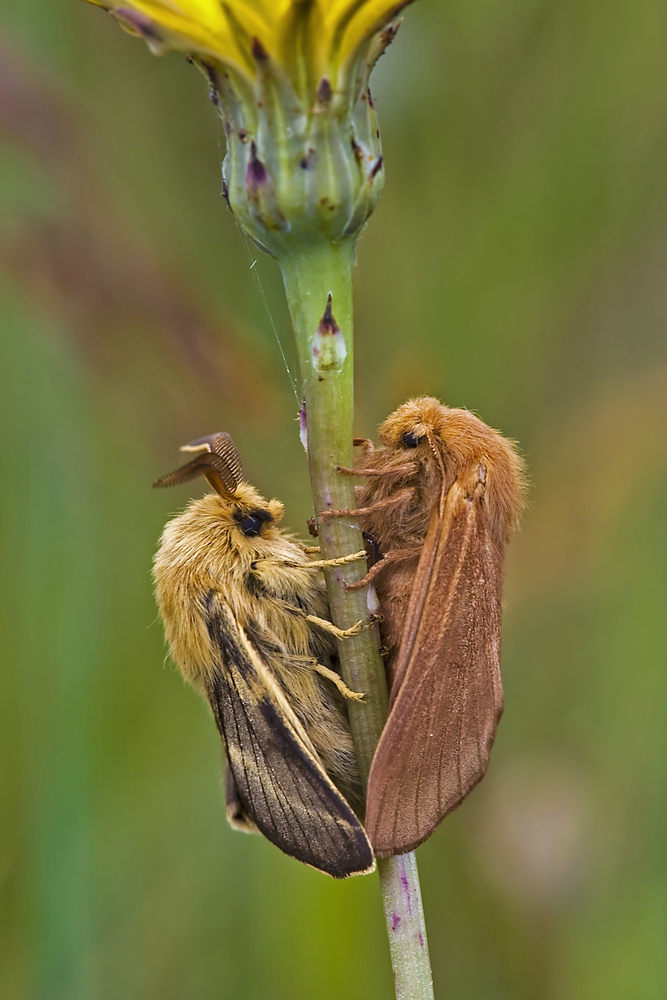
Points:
(457, 443)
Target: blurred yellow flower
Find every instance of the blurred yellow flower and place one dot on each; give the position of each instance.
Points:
(321, 35)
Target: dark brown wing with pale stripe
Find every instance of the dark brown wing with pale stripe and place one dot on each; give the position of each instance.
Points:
(447, 695)
(279, 780)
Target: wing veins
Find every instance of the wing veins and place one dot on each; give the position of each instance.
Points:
(281, 796)
(299, 788)
(472, 705)
(256, 744)
(444, 619)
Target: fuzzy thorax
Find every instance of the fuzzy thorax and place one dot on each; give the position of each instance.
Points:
(205, 550)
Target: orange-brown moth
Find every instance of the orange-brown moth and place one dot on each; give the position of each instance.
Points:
(246, 617)
(443, 493)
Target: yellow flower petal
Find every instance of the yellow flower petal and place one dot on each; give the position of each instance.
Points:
(224, 29)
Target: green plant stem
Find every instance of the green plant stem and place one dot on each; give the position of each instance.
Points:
(406, 928)
(311, 274)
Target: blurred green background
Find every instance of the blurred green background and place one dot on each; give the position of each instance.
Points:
(516, 266)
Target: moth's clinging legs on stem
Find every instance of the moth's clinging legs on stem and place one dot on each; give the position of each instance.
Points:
(343, 633)
(398, 498)
(336, 679)
(397, 470)
(341, 561)
(395, 555)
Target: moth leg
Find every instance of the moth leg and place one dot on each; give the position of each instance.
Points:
(336, 679)
(397, 498)
(396, 555)
(341, 561)
(318, 563)
(342, 633)
(406, 469)
(311, 549)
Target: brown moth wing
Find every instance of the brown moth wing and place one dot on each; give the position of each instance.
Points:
(447, 693)
(279, 780)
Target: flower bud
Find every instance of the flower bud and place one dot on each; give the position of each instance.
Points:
(290, 79)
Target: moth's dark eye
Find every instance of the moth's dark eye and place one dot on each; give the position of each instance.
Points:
(410, 440)
(251, 524)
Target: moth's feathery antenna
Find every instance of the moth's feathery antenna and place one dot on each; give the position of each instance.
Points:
(216, 458)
